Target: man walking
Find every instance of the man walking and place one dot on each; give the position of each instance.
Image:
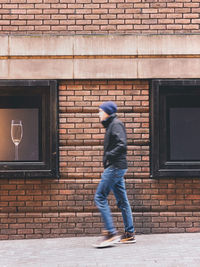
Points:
(112, 179)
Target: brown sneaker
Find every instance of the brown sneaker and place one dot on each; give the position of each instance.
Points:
(107, 240)
(127, 238)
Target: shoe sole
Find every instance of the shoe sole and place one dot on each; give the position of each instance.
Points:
(127, 242)
(107, 244)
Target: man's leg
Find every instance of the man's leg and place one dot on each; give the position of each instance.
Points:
(101, 201)
(119, 191)
(109, 237)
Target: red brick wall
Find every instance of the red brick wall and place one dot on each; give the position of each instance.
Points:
(99, 16)
(36, 208)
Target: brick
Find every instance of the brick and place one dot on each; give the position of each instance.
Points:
(25, 231)
(34, 11)
(150, 10)
(191, 16)
(182, 21)
(26, 28)
(18, 11)
(26, 6)
(165, 21)
(33, 1)
(141, 27)
(10, 6)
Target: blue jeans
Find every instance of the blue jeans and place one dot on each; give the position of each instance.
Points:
(113, 179)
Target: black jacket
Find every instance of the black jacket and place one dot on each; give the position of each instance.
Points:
(115, 144)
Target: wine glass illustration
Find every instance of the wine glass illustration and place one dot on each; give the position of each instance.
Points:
(16, 135)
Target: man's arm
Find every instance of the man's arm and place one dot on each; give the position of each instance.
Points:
(119, 135)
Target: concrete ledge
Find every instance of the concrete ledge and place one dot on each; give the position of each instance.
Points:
(100, 45)
(40, 69)
(100, 57)
(101, 68)
(4, 45)
(169, 68)
(40, 45)
(4, 72)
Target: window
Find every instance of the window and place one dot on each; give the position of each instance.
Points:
(175, 128)
(28, 132)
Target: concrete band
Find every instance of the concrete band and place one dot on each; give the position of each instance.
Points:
(100, 57)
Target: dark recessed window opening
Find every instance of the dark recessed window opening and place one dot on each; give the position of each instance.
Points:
(28, 132)
(175, 128)
(21, 128)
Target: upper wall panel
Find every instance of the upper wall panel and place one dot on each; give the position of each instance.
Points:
(99, 16)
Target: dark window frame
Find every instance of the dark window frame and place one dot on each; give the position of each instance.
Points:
(48, 163)
(161, 166)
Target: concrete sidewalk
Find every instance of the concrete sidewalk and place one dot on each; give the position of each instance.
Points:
(164, 250)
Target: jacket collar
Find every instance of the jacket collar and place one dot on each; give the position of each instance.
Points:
(108, 120)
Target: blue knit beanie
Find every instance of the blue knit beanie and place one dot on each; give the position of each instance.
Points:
(109, 107)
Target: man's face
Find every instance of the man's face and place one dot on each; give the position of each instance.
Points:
(103, 115)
